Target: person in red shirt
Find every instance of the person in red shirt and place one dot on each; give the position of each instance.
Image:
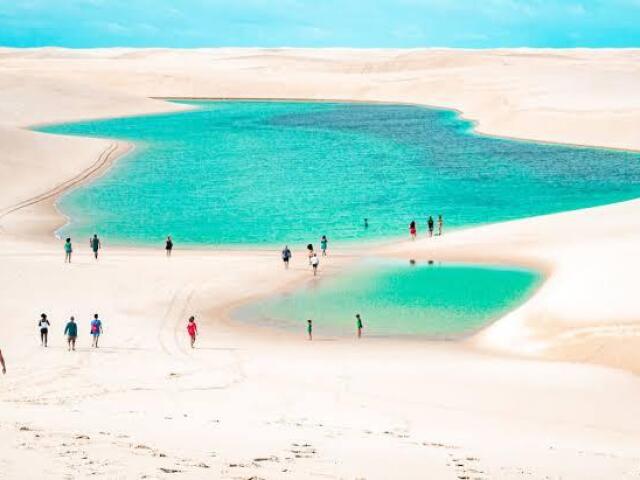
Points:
(192, 328)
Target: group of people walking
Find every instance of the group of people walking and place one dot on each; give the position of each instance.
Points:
(70, 331)
(413, 229)
(96, 245)
(314, 261)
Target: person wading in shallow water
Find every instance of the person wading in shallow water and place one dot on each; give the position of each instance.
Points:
(168, 246)
(359, 324)
(430, 225)
(323, 245)
(310, 329)
(68, 250)
(94, 243)
(440, 224)
(412, 229)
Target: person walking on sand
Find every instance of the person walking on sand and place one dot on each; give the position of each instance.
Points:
(192, 329)
(286, 256)
(44, 325)
(310, 329)
(68, 250)
(412, 229)
(323, 245)
(310, 252)
(440, 223)
(71, 331)
(315, 261)
(4, 367)
(359, 325)
(168, 246)
(94, 243)
(430, 225)
(96, 330)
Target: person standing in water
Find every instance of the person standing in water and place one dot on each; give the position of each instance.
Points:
(310, 329)
(315, 261)
(430, 225)
(68, 250)
(44, 325)
(192, 330)
(4, 367)
(168, 246)
(323, 245)
(440, 223)
(286, 256)
(96, 330)
(412, 229)
(71, 331)
(366, 223)
(94, 243)
(359, 324)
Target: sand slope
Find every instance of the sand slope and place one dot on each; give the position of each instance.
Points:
(263, 404)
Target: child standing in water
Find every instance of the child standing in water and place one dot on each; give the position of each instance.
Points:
(430, 225)
(315, 261)
(94, 243)
(71, 331)
(310, 329)
(192, 329)
(68, 249)
(323, 245)
(359, 324)
(168, 246)
(96, 330)
(412, 229)
(440, 223)
(44, 325)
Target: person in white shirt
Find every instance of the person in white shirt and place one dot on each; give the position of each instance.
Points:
(315, 261)
(44, 325)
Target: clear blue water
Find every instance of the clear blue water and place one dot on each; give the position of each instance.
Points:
(394, 299)
(276, 172)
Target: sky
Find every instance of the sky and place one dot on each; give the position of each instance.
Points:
(320, 23)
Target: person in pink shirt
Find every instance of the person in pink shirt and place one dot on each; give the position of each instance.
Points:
(192, 329)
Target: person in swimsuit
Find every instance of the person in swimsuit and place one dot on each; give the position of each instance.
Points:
(4, 367)
(192, 329)
(286, 256)
(44, 325)
(71, 331)
(440, 223)
(323, 245)
(94, 243)
(310, 329)
(366, 223)
(96, 330)
(168, 246)
(68, 250)
(315, 261)
(359, 324)
(412, 229)
(430, 225)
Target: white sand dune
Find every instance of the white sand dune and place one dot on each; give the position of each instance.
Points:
(256, 403)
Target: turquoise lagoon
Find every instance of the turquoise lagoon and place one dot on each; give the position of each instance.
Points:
(231, 172)
(399, 299)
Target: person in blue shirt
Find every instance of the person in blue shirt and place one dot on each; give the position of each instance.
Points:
(96, 330)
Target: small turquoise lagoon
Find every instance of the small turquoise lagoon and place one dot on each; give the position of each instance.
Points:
(398, 299)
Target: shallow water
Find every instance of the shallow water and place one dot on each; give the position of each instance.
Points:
(275, 172)
(397, 299)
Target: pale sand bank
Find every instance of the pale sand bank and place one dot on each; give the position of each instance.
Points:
(261, 403)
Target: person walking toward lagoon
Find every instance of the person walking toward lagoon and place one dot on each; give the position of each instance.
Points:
(412, 229)
(430, 225)
(192, 329)
(323, 245)
(71, 331)
(68, 250)
(440, 223)
(96, 330)
(286, 256)
(310, 329)
(315, 261)
(168, 246)
(359, 324)
(94, 243)
(44, 325)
